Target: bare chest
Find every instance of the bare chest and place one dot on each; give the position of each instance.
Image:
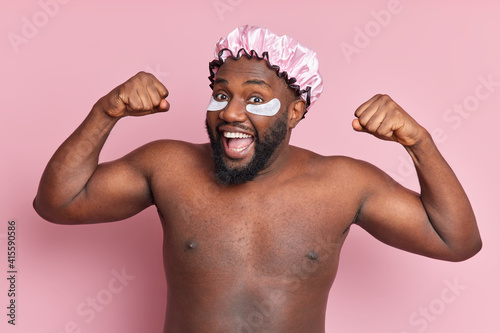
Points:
(272, 233)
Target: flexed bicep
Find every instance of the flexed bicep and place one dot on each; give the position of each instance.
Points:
(73, 187)
(396, 216)
(439, 222)
(117, 190)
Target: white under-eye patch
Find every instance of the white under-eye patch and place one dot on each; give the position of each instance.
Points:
(216, 105)
(268, 109)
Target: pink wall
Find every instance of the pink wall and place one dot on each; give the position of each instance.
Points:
(431, 57)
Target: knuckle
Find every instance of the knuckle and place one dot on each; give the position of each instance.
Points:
(372, 127)
(363, 121)
(148, 76)
(391, 104)
(132, 80)
(145, 102)
(164, 91)
(387, 101)
(142, 77)
(155, 99)
(134, 105)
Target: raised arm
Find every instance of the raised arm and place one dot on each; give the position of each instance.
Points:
(439, 222)
(74, 188)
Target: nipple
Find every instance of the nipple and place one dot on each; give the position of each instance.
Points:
(312, 255)
(191, 245)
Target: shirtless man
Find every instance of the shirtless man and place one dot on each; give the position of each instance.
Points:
(252, 241)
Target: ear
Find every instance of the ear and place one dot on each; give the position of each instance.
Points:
(296, 112)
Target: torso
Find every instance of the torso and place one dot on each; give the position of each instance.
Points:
(257, 257)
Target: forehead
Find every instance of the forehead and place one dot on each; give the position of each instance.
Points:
(245, 69)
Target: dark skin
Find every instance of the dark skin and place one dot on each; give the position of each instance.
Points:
(259, 256)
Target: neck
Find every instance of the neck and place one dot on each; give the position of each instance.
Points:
(278, 162)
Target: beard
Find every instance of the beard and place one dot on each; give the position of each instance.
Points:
(264, 149)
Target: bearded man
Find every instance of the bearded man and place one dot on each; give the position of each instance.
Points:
(253, 226)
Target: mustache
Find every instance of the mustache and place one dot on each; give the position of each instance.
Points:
(237, 125)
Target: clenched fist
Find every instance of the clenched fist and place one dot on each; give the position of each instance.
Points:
(140, 95)
(385, 119)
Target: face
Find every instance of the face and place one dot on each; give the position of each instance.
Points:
(249, 123)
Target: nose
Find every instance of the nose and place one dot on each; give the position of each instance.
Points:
(234, 112)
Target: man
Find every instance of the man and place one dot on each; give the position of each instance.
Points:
(253, 227)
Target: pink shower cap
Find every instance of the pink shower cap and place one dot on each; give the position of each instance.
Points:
(292, 61)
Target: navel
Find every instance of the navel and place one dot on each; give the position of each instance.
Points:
(312, 255)
(191, 245)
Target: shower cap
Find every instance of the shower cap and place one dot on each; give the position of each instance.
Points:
(293, 62)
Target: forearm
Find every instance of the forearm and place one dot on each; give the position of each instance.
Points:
(73, 164)
(445, 200)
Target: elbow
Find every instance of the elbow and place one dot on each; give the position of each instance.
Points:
(39, 209)
(50, 213)
(478, 245)
(468, 252)
(43, 210)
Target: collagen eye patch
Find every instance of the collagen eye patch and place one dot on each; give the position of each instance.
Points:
(267, 109)
(216, 105)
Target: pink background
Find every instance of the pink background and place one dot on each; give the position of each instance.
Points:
(429, 56)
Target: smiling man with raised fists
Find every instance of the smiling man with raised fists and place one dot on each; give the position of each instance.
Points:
(261, 212)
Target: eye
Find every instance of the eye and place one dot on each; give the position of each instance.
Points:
(256, 99)
(221, 97)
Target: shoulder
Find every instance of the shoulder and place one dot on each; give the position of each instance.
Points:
(170, 154)
(340, 168)
(167, 145)
(328, 164)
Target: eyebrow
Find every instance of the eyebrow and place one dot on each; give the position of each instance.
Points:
(246, 83)
(223, 81)
(257, 82)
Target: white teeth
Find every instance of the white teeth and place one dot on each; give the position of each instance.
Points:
(238, 149)
(236, 135)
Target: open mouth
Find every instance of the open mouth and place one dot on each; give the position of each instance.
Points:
(237, 144)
